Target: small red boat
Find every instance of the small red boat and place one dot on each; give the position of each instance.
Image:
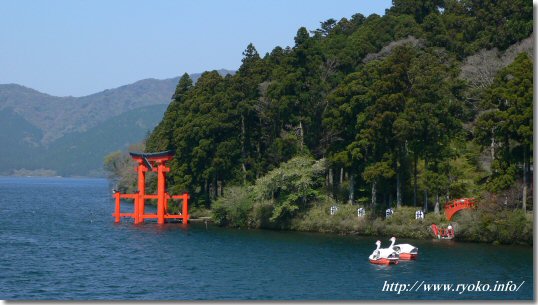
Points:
(441, 233)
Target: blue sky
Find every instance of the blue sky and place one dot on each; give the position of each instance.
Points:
(77, 47)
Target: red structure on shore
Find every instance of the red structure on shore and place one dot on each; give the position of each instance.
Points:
(454, 206)
(155, 162)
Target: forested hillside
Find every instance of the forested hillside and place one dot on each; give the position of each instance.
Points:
(431, 101)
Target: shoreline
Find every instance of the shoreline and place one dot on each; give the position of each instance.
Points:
(211, 222)
(359, 234)
(403, 225)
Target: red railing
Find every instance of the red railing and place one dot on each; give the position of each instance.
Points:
(454, 206)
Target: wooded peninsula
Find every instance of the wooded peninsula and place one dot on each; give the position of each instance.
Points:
(430, 102)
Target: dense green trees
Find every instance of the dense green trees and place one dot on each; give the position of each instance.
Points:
(505, 126)
(404, 108)
(379, 97)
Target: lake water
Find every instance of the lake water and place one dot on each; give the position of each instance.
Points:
(58, 240)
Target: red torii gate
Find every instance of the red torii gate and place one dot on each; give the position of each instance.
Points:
(155, 162)
(452, 207)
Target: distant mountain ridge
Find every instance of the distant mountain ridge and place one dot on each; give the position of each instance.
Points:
(57, 116)
(71, 135)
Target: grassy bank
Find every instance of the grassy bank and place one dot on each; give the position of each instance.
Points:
(506, 227)
(502, 227)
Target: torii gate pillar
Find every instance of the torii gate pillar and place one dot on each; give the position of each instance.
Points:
(140, 203)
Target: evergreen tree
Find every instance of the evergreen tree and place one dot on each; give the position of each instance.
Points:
(505, 127)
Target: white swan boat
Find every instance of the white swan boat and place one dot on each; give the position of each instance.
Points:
(384, 256)
(405, 251)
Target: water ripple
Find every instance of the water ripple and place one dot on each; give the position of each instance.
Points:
(66, 247)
